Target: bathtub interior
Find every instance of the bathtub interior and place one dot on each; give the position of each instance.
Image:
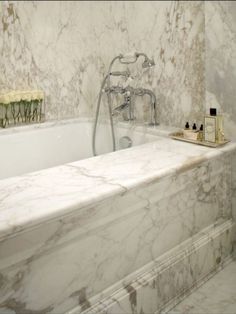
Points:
(32, 149)
(137, 136)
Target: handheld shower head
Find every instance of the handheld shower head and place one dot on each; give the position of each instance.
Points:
(128, 58)
(133, 57)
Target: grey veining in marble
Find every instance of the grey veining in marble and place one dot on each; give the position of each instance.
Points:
(102, 223)
(64, 48)
(216, 296)
(220, 60)
(104, 218)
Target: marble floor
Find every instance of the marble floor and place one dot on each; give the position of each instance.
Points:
(216, 296)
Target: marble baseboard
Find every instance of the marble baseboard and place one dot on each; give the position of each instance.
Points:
(217, 295)
(161, 284)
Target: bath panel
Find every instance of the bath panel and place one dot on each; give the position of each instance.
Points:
(160, 285)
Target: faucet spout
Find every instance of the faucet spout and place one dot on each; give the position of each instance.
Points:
(120, 108)
(145, 91)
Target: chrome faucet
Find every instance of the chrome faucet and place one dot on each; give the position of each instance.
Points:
(129, 92)
(127, 105)
(106, 86)
(127, 102)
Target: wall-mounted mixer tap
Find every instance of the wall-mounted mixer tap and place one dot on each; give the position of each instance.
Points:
(129, 93)
(126, 106)
(106, 86)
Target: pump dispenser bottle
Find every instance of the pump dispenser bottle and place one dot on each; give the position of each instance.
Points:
(213, 127)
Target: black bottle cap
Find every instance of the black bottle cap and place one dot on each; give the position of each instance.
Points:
(194, 126)
(201, 127)
(213, 111)
(187, 125)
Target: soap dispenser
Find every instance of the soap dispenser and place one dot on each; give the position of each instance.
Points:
(200, 133)
(213, 127)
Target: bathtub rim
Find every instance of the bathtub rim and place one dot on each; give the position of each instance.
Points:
(8, 228)
(140, 127)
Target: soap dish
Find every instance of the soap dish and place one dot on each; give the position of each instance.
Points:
(180, 137)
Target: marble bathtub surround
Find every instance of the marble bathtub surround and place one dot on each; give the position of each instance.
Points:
(102, 220)
(175, 158)
(220, 41)
(124, 229)
(163, 283)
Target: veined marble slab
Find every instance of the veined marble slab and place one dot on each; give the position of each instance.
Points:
(215, 296)
(220, 34)
(36, 197)
(64, 48)
(165, 281)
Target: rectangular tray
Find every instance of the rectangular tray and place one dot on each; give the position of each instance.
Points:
(180, 137)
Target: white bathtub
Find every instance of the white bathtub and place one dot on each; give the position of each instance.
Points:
(37, 147)
(124, 232)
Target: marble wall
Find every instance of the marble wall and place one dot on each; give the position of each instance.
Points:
(221, 68)
(65, 47)
(220, 60)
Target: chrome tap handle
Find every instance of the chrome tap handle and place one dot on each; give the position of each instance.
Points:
(145, 91)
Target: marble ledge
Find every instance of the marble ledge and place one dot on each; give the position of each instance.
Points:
(29, 200)
(42, 125)
(133, 125)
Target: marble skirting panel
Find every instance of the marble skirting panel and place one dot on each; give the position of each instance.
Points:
(55, 266)
(161, 284)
